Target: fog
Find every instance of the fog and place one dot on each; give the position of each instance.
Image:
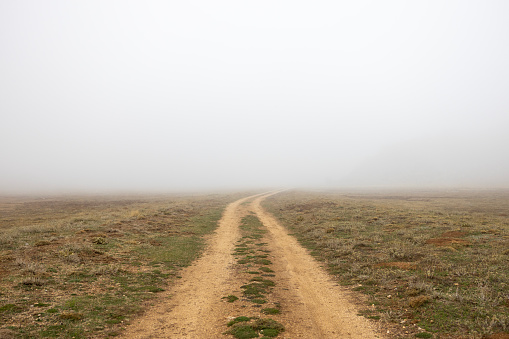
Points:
(190, 95)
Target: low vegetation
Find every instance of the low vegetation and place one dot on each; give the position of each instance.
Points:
(83, 268)
(253, 264)
(431, 264)
(245, 327)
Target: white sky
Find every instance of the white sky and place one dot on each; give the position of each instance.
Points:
(169, 95)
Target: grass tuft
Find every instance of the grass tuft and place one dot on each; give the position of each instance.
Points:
(238, 320)
(270, 311)
(71, 316)
(231, 298)
(253, 327)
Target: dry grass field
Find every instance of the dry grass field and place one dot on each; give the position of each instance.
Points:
(423, 264)
(80, 267)
(431, 264)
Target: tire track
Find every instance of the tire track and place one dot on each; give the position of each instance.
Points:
(319, 307)
(194, 310)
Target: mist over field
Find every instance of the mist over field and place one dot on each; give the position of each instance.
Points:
(202, 95)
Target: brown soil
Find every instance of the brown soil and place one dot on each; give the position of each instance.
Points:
(453, 234)
(448, 242)
(501, 335)
(313, 306)
(450, 238)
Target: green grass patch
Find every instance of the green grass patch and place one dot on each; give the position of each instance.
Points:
(254, 290)
(270, 332)
(264, 282)
(257, 291)
(253, 328)
(173, 250)
(231, 298)
(41, 305)
(258, 301)
(9, 308)
(270, 311)
(266, 269)
(243, 332)
(263, 262)
(238, 320)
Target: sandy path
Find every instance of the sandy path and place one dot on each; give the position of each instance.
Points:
(316, 307)
(313, 305)
(194, 310)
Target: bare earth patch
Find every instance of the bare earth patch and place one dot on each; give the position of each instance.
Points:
(448, 242)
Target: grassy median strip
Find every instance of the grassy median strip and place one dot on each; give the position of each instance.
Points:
(85, 267)
(252, 257)
(431, 263)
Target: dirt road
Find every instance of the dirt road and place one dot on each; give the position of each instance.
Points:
(313, 305)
